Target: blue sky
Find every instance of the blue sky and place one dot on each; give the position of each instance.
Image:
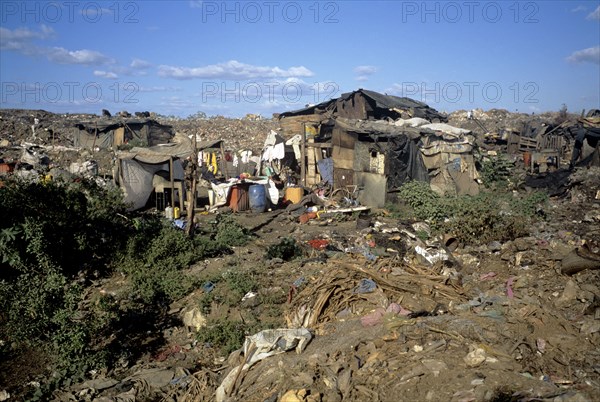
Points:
(233, 58)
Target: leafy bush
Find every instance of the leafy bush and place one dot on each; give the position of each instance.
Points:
(239, 281)
(230, 233)
(495, 171)
(60, 224)
(51, 235)
(482, 219)
(477, 219)
(286, 249)
(426, 204)
(224, 335)
(154, 266)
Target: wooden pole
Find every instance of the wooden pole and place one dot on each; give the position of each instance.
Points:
(95, 135)
(303, 156)
(172, 180)
(223, 162)
(192, 171)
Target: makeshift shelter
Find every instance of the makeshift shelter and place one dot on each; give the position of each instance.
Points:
(361, 104)
(378, 142)
(448, 155)
(375, 156)
(142, 171)
(112, 132)
(278, 153)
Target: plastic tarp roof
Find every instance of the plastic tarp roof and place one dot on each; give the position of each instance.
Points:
(380, 101)
(136, 169)
(135, 179)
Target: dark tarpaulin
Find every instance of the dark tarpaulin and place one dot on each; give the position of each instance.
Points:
(555, 183)
(404, 162)
(365, 104)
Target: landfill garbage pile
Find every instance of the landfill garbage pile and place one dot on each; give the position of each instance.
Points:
(374, 310)
(336, 306)
(238, 134)
(499, 121)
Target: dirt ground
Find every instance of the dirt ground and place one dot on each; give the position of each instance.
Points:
(490, 323)
(498, 322)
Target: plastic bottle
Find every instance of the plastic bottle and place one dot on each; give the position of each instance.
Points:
(169, 212)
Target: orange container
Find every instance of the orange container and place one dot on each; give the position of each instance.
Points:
(5, 168)
(294, 194)
(527, 159)
(238, 198)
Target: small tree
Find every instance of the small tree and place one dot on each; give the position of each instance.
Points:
(199, 115)
(562, 115)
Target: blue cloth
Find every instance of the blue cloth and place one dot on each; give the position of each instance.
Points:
(326, 169)
(365, 286)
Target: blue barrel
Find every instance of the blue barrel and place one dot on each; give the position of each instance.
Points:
(258, 198)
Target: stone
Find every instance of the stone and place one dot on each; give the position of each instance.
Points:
(590, 326)
(156, 378)
(475, 357)
(99, 384)
(569, 294)
(4, 395)
(193, 318)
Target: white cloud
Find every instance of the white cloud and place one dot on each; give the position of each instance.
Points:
(84, 56)
(20, 39)
(590, 55)
(594, 15)
(232, 70)
(159, 89)
(578, 9)
(365, 70)
(106, 74)
(140, 64)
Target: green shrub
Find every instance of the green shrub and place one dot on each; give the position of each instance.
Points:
(426, 204)
(495, 171)
(482, 219)
(286, 249)
(230, 233)
(240, 281)
(224, 335)
(477, 219)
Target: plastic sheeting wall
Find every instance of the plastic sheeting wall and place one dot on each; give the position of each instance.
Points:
(135, 178)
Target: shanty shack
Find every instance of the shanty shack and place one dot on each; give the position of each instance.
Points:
(141, 172)
(378, 142)
(375, 156)
(112, 132)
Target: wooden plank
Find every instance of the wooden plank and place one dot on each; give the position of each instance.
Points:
(310, 170)
(322, 145)
(119, 136)
(303, 157)
(343, 158)
(342, 178)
